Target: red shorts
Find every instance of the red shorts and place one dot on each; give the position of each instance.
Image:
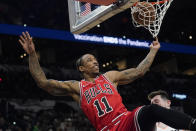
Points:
(127, 122)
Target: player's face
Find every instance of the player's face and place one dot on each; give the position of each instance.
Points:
(160, 101)
(90, 64)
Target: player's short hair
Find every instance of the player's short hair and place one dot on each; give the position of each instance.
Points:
(79, 63)
(162, 93)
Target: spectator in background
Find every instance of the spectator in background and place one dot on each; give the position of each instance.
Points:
(161, 98)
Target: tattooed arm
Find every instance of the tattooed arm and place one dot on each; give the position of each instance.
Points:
(129, 75)
(54, 87)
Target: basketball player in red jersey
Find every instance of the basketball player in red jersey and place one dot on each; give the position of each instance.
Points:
(98, 96)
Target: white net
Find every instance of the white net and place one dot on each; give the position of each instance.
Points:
(150, 15)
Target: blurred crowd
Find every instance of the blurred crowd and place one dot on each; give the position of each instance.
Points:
(35, 13)
(55, 119)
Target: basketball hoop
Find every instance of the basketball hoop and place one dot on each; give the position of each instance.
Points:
(150, 15)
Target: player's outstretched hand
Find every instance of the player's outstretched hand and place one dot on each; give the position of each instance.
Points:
(155, 44)
(27, 42)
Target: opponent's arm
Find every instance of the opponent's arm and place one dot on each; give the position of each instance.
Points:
(52, 86)
(129, 75)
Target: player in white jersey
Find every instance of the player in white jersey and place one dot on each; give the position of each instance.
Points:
(161, 98)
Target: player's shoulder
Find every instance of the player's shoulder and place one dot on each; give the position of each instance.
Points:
(111, 73)
(73, 84)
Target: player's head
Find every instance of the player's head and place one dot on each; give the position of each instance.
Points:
(160, 97)
(88, 64)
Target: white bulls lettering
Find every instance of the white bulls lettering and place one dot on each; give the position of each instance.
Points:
(96, 90)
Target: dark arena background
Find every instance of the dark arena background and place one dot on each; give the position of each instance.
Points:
(25, 107)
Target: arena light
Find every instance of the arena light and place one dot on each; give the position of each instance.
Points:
(179, 96)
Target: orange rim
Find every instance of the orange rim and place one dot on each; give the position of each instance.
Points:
(153, 3)
(160, 2)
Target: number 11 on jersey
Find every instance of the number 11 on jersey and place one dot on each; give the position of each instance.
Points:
(101, 111)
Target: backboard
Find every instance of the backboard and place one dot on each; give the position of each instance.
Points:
(84, 16)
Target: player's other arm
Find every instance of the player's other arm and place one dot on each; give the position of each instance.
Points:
(129, 75)
(52, 86)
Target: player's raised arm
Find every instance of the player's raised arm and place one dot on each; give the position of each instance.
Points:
(129, 75)
(54, 87)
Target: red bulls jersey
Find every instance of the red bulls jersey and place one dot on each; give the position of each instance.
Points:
(101, 102)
